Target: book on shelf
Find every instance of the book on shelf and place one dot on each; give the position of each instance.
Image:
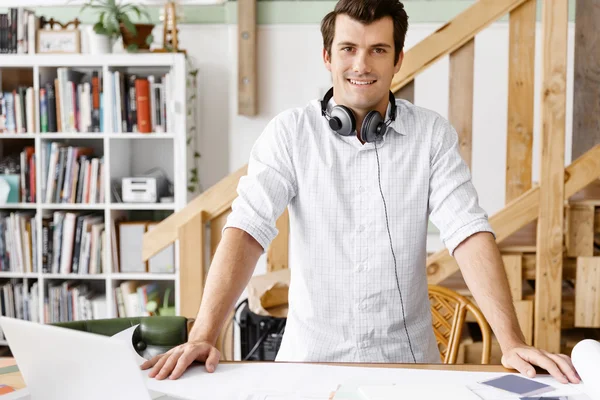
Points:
(18, 241)
(17, 300)
(73, 243)
(73, 301)
(73, 174)
(17, 111)
(18, 27)
(139, 103)
(132, 298)
(21, 165)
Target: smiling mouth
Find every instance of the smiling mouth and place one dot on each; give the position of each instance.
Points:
(361, 82)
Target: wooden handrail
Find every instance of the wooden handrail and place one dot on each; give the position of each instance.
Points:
(450, 37)
(522, 211)
(213, 202)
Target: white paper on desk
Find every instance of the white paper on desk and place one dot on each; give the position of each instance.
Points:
(126, 336)
(586, 360)
(416, 391)
(238, 381)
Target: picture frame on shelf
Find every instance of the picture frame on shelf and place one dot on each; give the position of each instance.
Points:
(57, 38)
(64, 41)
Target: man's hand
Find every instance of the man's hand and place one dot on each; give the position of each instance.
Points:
(523, 357)
(178, 359)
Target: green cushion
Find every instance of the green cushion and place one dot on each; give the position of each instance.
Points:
(154, 335)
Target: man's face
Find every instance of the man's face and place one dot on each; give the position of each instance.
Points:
(362, 63)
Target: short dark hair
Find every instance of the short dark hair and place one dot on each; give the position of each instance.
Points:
(368, 11)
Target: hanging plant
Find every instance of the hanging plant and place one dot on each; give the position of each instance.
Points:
(192, 120)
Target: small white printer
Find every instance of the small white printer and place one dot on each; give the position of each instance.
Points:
(147, 188)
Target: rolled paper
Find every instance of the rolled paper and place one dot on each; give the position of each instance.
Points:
(586, 360)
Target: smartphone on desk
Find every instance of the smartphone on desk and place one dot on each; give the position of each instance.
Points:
(519, 385)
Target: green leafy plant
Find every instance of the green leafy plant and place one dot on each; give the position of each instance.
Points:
(192, 107)
(112, 14)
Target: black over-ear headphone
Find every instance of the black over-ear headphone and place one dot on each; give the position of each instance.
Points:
(341, 119)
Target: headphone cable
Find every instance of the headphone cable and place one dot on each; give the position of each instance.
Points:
(393, 254)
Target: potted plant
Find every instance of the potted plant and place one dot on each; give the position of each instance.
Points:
(115, 21)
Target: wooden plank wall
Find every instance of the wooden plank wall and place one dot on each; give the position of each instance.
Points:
(519, 138)
(460, 112)
(191, 276)
(586, 107)
(247, 58)
(549, 255)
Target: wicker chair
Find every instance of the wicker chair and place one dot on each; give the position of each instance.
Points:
(449, 310)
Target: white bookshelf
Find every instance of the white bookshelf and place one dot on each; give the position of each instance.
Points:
(125, 154)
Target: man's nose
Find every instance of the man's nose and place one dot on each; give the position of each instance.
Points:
(361, 63)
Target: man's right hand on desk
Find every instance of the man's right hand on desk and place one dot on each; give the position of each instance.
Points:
(173, 363)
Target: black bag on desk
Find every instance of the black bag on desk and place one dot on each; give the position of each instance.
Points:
(260, 336)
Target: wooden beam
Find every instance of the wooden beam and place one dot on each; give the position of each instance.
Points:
(450, 37)
(549, 253)
(277, 254)
(513, 264)
(216, 228)
(247, 58)
(213, 202)
(460, 113)
(586, 83)
(587, 300)
(193, 269)
(524, 310)
(519, 138)
(569, 267)
(580, 232)
(521, 211)
(407, 92)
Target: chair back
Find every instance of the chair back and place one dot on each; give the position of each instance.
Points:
(449, 310)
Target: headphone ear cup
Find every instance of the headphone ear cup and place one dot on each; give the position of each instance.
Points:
(371, 126)
(345, 124)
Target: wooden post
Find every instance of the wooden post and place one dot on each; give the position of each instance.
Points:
(460, 111)
(548, 292)
(580, 232)
(519, 138)
(587, 298)
(586, 107)
(192, 272)
(513, 264)
(247, 58)
(524, 310)
(277, 254)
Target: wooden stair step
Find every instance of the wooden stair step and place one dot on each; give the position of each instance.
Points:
(522, 241)
(589, 195)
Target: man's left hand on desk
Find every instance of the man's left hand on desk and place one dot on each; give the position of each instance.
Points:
(523, 358)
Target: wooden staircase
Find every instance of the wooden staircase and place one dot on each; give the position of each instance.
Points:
(545, 231)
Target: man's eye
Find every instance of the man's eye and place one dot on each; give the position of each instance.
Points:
(379, 50)
(347, 49)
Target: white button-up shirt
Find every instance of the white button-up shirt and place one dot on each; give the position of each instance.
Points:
(344, 305)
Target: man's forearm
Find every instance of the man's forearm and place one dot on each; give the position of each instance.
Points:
(229, 273)
(483, 270)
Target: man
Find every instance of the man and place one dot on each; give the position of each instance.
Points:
(360, 194)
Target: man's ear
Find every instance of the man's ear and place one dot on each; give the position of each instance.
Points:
(399, 63)
(327, 59)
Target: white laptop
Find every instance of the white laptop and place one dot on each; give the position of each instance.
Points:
(66, 364)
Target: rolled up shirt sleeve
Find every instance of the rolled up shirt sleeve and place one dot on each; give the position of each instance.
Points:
(453, 201)
(270, 183)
